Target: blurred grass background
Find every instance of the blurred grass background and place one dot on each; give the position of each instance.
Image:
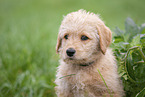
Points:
(28, 34)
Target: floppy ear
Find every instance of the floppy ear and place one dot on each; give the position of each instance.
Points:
(105, 36)
(58, 44)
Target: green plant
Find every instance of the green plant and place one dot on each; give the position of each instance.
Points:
(129, 48)
(111, 95)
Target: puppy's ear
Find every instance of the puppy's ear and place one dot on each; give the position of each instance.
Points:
(105, 36)
(58, 45)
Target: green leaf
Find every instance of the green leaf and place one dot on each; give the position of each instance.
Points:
(118, 32)
(131, 28)
(135, 41)
(142, 39)
(142, 29)
(136, 56)
(141, 93)
(126, 37)
(130, 68)
(125, 77)
(118, 39)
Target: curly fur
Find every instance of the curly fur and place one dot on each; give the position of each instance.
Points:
(74, 80)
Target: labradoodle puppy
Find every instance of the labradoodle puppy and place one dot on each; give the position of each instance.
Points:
(87, 66)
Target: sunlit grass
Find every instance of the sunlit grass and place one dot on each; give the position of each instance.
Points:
(28, 60)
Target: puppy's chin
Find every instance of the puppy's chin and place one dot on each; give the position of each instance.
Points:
(69, 60)
(75, 61)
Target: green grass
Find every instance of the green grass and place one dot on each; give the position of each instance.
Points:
(28, 34)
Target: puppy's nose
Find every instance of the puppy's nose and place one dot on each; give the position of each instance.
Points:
(70, 52)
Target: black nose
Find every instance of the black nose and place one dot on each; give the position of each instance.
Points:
(70, 52)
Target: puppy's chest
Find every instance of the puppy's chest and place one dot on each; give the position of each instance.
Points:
(84, 84)
(80, 80)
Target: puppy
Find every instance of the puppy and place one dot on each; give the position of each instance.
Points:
(87, 66)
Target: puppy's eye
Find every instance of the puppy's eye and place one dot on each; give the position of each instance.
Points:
(66, 36)
(84, 37)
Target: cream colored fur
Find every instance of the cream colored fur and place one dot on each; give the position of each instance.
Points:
(74, 80)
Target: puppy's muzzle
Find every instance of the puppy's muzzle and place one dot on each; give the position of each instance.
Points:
(70, 52)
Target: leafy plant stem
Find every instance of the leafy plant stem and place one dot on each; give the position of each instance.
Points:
(140, 51)
(142, 55)
(104, 82)
(139, 94)
(128, 73)
(139, 62)
(67, 76)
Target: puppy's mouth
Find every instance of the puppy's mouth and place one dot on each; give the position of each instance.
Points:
(78, 62)
(75, 59)
(71, 58)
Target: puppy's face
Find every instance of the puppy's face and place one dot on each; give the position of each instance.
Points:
(80, 45)
(79, 39)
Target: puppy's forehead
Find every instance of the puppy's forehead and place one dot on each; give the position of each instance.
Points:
(81, 17)
(80, 21)
(77, 28)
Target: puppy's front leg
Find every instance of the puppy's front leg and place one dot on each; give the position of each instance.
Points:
(98, 91)
(63, 91)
